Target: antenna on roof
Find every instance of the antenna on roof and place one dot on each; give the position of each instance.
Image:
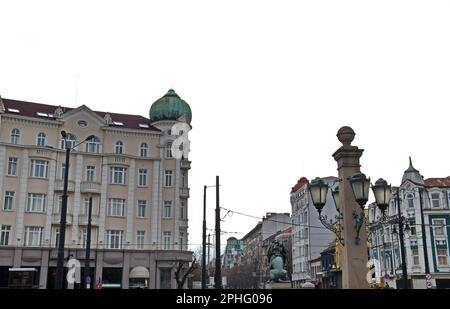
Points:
(76, 90)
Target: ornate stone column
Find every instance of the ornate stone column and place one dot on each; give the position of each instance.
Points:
(354, 256)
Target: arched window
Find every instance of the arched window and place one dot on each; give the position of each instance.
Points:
(69, 141)
(15, 136)
(41, 139)
(119, 147)
(143, 150)
(93, 144)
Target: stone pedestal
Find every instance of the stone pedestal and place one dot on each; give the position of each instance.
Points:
(278, 285)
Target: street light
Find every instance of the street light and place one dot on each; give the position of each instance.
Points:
(204, 274)
(87, 267)
(318, 190)
(62, 225)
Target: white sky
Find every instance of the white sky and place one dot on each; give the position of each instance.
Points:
(269, 83)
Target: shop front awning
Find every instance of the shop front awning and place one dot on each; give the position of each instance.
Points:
(139, 272)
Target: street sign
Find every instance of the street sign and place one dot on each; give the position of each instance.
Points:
(429, 285)
(387, 277)
(428, 276)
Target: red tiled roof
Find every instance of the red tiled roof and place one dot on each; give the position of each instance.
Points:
(300, 183)
(437, 182)
(29, 109)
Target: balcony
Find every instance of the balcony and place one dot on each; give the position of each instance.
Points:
(184, 223)
(83, 220)
(59, 185)
(56, 219)
(185, 164)
(90, 187)
(184, 192)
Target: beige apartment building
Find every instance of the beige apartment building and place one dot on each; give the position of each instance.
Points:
(139, 191)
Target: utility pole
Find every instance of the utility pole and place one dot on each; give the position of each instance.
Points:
(204, 241)
(402, 244)
(218, 274)
(424, 237)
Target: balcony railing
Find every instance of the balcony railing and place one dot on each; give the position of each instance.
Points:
(83, 220)
(90, 187)
(59, 185)
(56, 219)
(184, 192)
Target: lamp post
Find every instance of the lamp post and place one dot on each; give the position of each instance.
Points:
(87, 267)
(62, 226)
(204, 272)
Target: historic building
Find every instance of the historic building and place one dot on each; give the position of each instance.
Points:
(309, 236)
(419, 198)
(139, 191)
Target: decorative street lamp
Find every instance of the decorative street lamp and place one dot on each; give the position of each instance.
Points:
(318, 190)
(62, 226)
(382, 192)
(360, 187)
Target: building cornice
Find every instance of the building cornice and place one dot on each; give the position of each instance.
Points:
(31, 121)
(130, 132)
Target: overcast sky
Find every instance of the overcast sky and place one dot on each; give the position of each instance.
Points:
(269, 84)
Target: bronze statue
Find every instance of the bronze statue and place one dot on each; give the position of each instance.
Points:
(277, 257)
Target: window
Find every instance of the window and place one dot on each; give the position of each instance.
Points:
(56, 237)
(169, 151)
(86, 206)
(12, 166)
(39, 168)
(115, 207)
(438, 226)
(410, 201)
(69, 142)
(15, 136)
(90, 173)
(93, 144)
(435, 200)
(33, 236)
(140, 236)
(142, 177)
(142, 205)
(165, 278)
(84, 238)
(182, 241)
(167, 209)
(143, 150)
(167, 239)
(182, 211)
(415, 256)
(114, 239)
(57, 210)
(9, 200)
(119, 147)
(63, 171)
(4, 237)
(40, 140)
(442, 256)
(168, 178)
(118, 175)
(36, 202)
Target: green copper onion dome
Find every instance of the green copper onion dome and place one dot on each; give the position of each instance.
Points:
(170, 107)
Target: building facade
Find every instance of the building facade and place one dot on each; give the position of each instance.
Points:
(138, 188)
(309, 236)
(417, 196)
